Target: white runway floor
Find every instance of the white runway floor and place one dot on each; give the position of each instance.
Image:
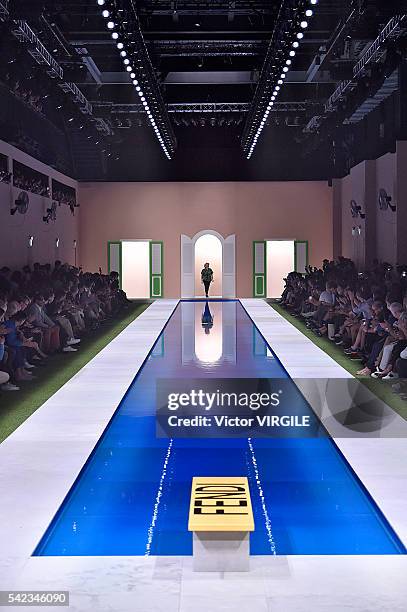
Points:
(40, 461)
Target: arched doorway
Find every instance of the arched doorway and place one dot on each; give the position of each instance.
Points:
(208, 248)
(190, 263)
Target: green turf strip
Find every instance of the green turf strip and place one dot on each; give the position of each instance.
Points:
(17, 406)
(381, 388)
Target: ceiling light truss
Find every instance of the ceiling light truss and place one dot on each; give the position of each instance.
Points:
(291, 23)
(36, 49)
(209, 107)
(201, 107)
(390, 85)
(123, 25)
(84, 104)
(211, 7)
(26, 35)
(392, 30)
(208, 48)
(4, 13)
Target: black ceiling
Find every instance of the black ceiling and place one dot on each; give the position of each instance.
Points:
(206, 58)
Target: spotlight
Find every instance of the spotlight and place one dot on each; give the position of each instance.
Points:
(280, 82)
(309, 13)
(129, 68)
(122, 53)
(292, 53)
(300, 35)
(126, 61)
(304, 24)
(120, 45)
(110, 25)
(115, 36)
(296, 44)
(132, 75)
(135, 82)
(105, 14)
(285, 69)
(314, 1)
(288, 62)
(101, 2)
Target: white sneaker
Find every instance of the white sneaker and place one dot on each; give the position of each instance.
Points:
(10, 387)
(73, 341)
(390, 376)
(69, 349)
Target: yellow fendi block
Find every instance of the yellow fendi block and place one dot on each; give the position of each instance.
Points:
(220, 504)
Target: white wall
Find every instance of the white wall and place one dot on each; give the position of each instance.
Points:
(14, 230)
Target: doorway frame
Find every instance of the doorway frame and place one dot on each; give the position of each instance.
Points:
(188, 263)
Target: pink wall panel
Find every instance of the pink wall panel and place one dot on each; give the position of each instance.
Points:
(383, 232)
(386, 220)
(164, 211)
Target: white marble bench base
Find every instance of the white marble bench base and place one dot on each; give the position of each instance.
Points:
(221, 551)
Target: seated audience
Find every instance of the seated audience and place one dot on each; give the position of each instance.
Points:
(362, 312)
(46, 310)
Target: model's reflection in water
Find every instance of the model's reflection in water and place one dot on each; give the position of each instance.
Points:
(207, 319)
(208, 345)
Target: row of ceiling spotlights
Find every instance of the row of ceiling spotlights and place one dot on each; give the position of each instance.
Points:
(130, 69)
(299, 36)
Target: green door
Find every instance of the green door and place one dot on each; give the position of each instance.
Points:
(156, 269)
(114, 258)
(259, 268)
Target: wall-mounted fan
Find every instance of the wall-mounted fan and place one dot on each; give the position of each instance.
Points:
(385, 201)
(356, 210)
(20, 204)
(51, 213)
